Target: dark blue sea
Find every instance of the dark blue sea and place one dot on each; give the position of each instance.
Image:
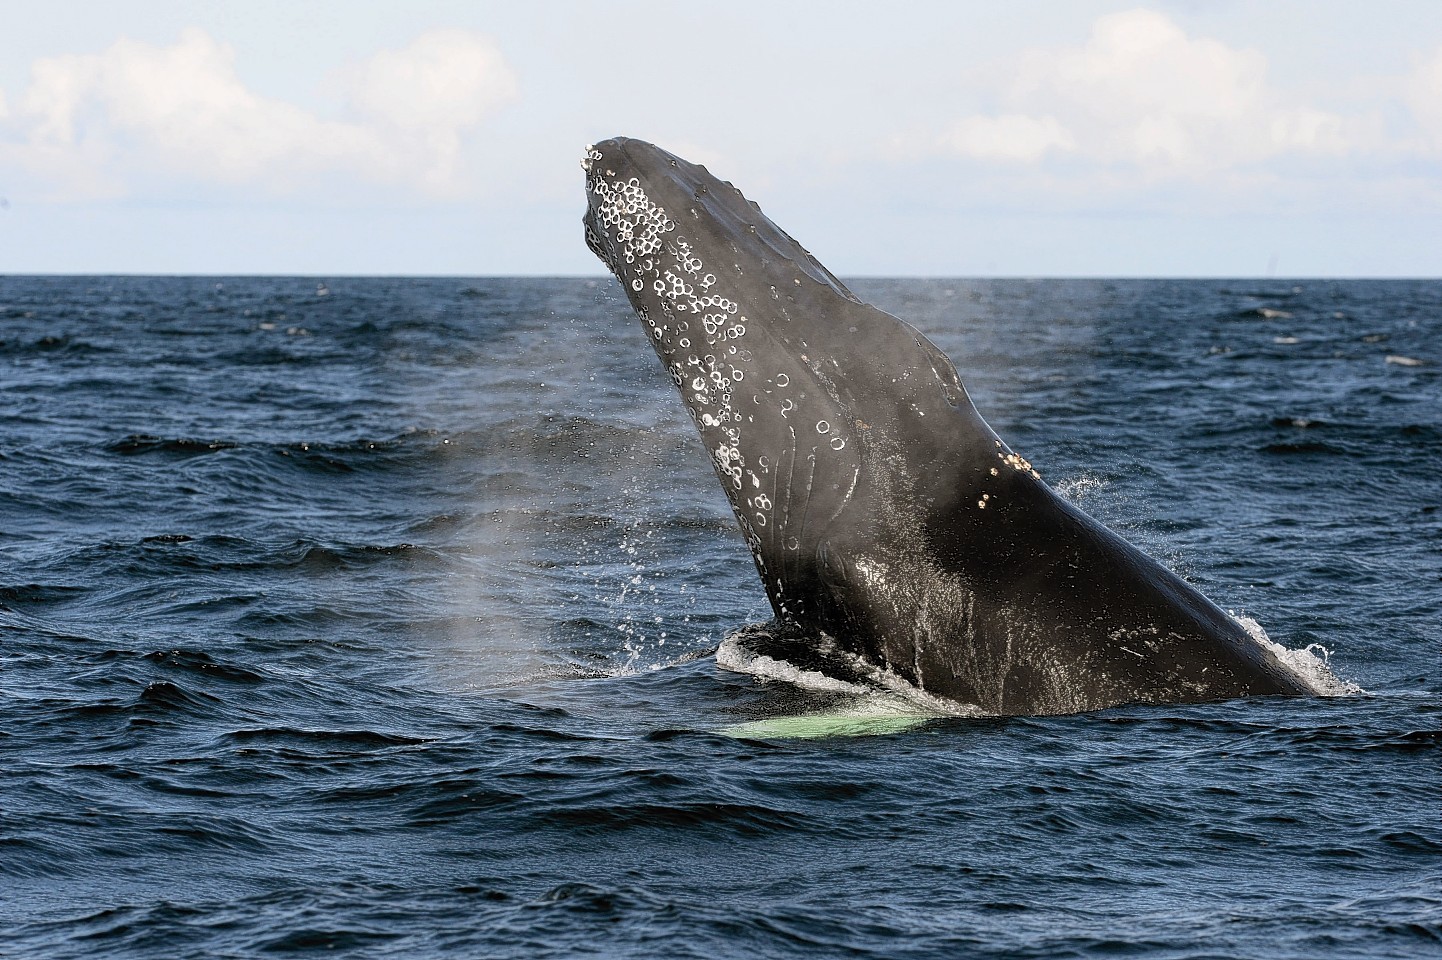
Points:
(379, 618)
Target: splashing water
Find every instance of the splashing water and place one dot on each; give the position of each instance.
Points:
(1312, 663)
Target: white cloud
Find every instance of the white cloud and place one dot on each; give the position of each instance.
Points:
(1422, 91)
(1011, 136)
(429, 93)
(442, 79)
(182, 106)
(1140, 93)
(101, 123)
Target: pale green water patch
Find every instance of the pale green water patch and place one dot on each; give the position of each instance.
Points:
(842, 723)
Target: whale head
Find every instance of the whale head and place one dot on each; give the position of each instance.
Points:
(820, 413)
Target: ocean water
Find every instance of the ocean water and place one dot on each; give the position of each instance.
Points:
(380, 618)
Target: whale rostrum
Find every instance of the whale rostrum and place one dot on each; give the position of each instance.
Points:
(881, 510)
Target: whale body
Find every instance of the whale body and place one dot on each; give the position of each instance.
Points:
(885, 517)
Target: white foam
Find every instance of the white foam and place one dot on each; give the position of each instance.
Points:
(891, 706)
(886, 695)
(733, 656)
(1311, 663)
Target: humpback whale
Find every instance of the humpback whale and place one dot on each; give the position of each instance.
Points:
(886, 519)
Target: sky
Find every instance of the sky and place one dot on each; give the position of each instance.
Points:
(914, 138)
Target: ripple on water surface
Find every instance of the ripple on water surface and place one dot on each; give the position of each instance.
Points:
(374, 622)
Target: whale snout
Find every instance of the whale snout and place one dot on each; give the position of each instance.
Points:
(625, 220)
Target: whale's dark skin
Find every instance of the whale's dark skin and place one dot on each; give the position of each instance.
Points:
(880, 508)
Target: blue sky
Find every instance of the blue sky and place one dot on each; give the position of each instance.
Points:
(971, 139)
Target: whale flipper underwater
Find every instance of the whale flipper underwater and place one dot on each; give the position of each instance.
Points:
(881, 510)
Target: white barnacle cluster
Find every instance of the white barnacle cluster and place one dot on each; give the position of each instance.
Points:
(698, 331)
(1011, 459)
(635, 223)
(1017, 462)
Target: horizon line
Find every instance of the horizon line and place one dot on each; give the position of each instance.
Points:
(140, 274)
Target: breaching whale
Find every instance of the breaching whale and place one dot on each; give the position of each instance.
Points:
(885, 517)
